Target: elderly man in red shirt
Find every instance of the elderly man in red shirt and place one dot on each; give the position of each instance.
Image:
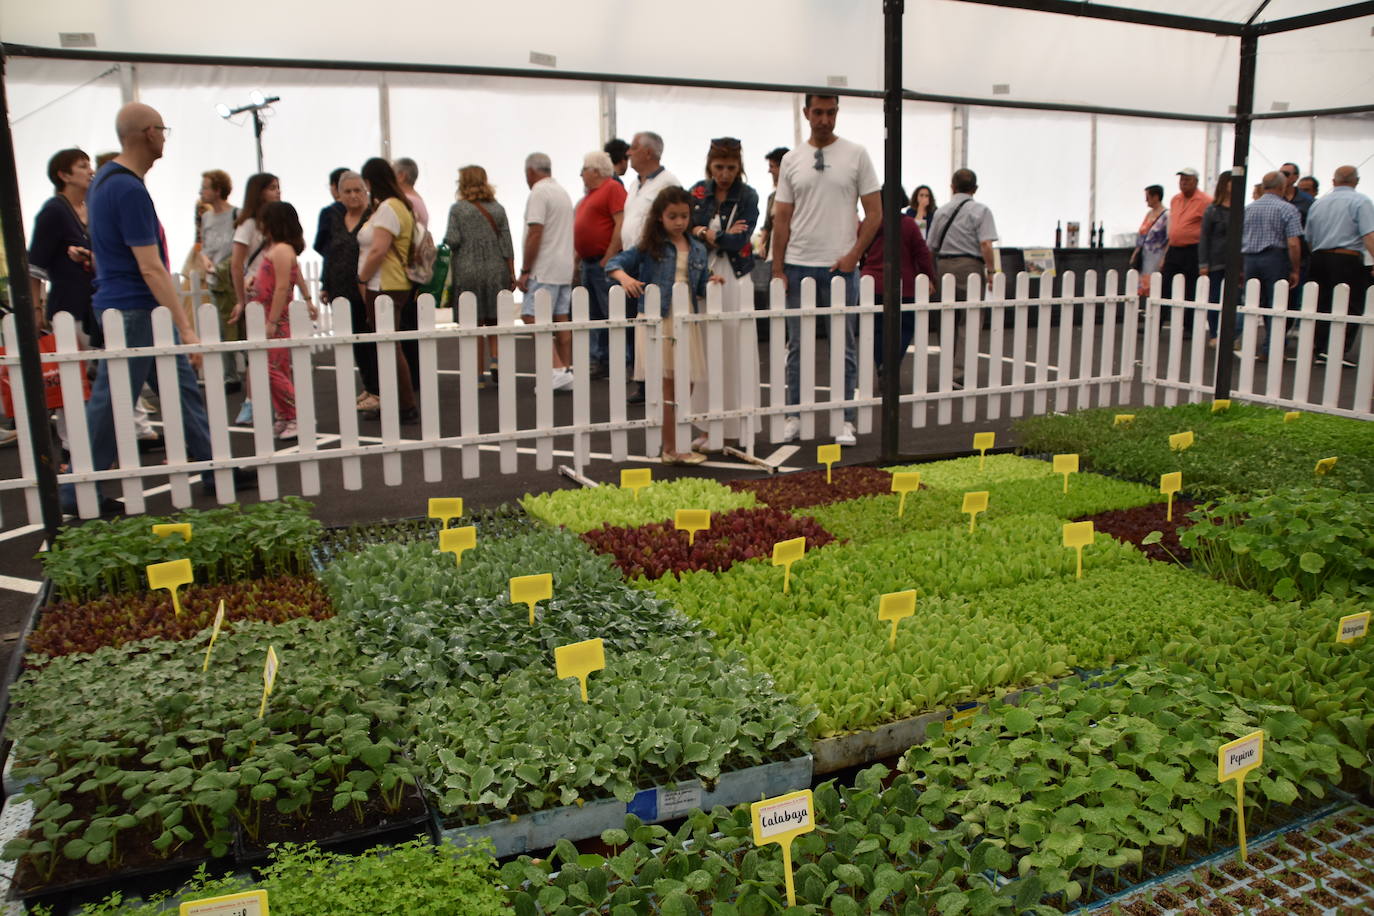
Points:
(596, 237)
(1185, 231)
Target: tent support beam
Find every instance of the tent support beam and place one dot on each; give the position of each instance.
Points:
(1120, 14)
(892, 231)
(1323, 17)
(1235, 261)
(26, 324)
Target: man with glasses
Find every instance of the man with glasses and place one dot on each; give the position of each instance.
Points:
(133, 277)
(1294, 194)
(820, 186)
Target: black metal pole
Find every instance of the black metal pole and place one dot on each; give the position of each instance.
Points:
(21, 297)
(892, 229)
(257, 135)
(1235, 261)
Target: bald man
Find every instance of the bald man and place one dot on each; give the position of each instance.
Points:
(132, 277)
(1340, 231)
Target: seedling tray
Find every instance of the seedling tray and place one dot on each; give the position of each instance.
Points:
(501, 521)
(542, 829)
(1323, 867)
(413, 819)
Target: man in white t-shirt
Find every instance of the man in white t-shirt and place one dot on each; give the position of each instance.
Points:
(815, 211)
(646, 158)
(548, 257)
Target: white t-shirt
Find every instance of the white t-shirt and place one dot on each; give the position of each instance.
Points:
(383, 217)
(551, 207)
(637, 204)
(248, 234)
(825, 201)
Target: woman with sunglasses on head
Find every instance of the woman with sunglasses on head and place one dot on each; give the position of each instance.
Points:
(724, 212)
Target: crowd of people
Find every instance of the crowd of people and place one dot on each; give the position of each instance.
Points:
(1289, 233)
(99, 245)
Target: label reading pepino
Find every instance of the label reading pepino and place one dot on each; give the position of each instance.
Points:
(1240, 756)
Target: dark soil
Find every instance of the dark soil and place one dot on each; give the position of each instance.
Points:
(1328, 835)
(136, 855)
(1268, 888)
(1315, 869)
(1244, 898)
(1344, 826)
(1132, 525)
(1215, 880)
(1345, 886)
(1324, 898)
(1304, 842)
(1168, 899)
(1235, 869)
(1190, 890)
(1303, 908)
(1220, 907)
(1260, 861)
(1141, 908)
(1292, 879)
(808, 488)
(329, 827)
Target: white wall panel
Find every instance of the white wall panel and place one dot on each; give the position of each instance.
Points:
(1133, 153)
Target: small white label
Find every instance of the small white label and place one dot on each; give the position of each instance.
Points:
(784, 817)
(677, 802)
(76, 39)
(541, 59)
(1241, 756)
(1354, 627)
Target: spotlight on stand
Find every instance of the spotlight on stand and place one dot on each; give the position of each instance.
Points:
(257, 102)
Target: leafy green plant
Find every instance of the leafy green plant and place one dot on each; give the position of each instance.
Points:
(811, 488)
(873, 518)
(661, 714)
(974, 473)
(1295, 543)
(503, 521)
(228, 544)
(582, 510)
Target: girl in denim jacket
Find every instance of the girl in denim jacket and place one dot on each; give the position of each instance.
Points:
(664, 256)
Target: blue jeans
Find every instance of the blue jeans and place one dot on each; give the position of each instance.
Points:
(138, 332)
(598, 304)
(1268, 266)
(907, 328)
(822, 275)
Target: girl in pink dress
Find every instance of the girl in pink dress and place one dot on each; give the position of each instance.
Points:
(277, 275)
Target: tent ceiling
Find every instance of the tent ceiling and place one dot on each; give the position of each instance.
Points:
(974, 49)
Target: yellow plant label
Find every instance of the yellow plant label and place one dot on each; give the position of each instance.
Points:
(446, 508)
(785, 553)
(171, 528)
(896, 607)
(692, 521)
(982, 442)
(1078, 535)
(828, 455)
(781, 820)
(1291, 415)
(974, 502)
(962, 718)
(1123, 419)
(249, 903)
(269, 678)
(531, 590)
(457, 541)
(580, 659)
(1066, 465)
(1234, 761)
(214, 635)
(1169, 484)
(1324, 466)
(1180, 441)
(171, 575)
(636, 479)
(1353, 627)
(905, 482)
(1221, 404)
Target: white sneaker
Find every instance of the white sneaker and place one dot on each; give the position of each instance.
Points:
(847, 435)
(791, 429)
(562, 379)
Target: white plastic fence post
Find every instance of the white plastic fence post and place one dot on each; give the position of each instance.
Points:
(949, 316)
(1067, 293)
(256, 330)
(169, 400)
(864, 341)
(1018, 344)
(303, 376)
(428, 395)
(505, 349)
(1307, 332)
(581, 358)
(385, 315)
(216, 405)
(1130, 328)
(543, 379)
(777, 356)
(746, 358)
(122, 400)
(652, 362)
(27, 468)
(838, 317)
(806, 397)
(920, 362)
(1107, 355)
(711, 335)
(616, 351)
(469, 375)
(1335, 348)
(78, 437)
(996, 343)
(1044, 317)
(1086, 339)
(1364, 374)
(973, 334)
(346, 394)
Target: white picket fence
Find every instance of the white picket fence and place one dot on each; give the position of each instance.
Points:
(1277, 367)
(1036, 354)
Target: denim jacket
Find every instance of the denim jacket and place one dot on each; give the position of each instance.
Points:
(659, 270)
(741, 202)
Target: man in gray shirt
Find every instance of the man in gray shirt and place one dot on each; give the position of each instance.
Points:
(961, 237)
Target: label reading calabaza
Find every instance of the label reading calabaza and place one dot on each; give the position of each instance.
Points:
(783, 817)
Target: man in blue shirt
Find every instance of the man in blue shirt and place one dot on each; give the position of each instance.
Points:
(1340, 230)
(132, 277)
(1271, 242)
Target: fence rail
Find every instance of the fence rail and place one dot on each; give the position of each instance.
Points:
(1007, 355)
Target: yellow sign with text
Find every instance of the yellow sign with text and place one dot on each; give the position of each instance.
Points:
(982, 442)
(580, 659)
(1169, 484)
(249, 903)
(1066, 465)
(1180, 441)
(1123, 419)
(828, 455)
(458, 541)
(531, 590)
(1234, 761)
(171, 575)
(1078, 535)
(1353, 627)
(781, 820)
(785, 553)
(905, 482)
(446, 508)
(171, 528)
(636, 479)
(896, 607)
(974, 503)
(692, 521)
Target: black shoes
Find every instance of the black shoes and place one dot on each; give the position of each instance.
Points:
(636, 394)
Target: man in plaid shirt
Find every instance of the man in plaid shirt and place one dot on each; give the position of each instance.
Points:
(1272, 240)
